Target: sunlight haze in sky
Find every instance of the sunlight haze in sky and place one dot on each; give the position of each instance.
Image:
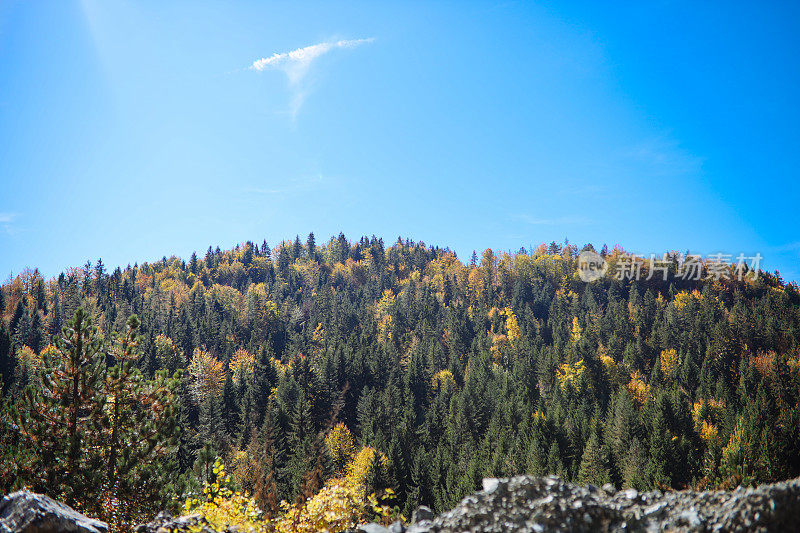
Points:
(134, 130)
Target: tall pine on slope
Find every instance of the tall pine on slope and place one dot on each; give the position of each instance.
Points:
(140, 434)
(61, 424)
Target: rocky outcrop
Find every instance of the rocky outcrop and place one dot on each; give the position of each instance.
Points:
(520, 503)
(28, 512)
(549, 504)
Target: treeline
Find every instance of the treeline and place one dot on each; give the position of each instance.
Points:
(290, 360)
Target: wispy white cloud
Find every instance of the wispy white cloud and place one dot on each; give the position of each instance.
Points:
(6, 222)
(296, 65)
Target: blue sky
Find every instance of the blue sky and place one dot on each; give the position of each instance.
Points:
(133, 130)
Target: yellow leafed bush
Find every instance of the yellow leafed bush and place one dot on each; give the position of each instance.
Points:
(708, 432)
(339, 506)
(683, 298)
(222, 507)
(512, 326)
(28, 358)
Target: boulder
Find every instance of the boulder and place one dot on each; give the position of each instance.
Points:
(28, 512)
(526, 503)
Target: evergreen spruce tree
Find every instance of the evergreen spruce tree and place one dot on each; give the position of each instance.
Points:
(311, 247)
(300, 444)
(140, 435)
(594, 467)
(6, 358)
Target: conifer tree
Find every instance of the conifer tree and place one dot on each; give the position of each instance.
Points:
(301, 443)
(594, 466)
(6, 358)
(140, 434)
(61, 424)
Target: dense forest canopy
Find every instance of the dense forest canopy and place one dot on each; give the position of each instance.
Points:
(279, 365)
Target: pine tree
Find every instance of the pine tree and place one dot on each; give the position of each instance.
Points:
(297, 249)
(61, 424)
(301, 444)
(6, 358)
(311, 247)
(554, 462)
(594, 467)
(230, 407)
(263, 459)
(141, 433)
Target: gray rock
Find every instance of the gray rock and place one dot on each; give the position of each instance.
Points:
(490, 484)
(631, 494)
(28, 512)
(549, 504)
(422, 513)
(373, 528)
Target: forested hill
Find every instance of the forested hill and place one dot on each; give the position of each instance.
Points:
(295, 358)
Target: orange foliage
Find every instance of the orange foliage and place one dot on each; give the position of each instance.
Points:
(638, 388)
(763, 362)
(207, 375)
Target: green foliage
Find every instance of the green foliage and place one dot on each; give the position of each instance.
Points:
(452, 371)
(97, 437)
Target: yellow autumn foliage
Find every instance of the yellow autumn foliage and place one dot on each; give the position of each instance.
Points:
(385, 323)
(707, 415)
(443, 379)
(319, 334)
(241, 364)
(638, 388)
(222, 507)
(207, 375)
(709, 409)
(339, 506)
(512, 327)
(500, 347)
(577, 331)
(684, 298)
(29, 359)
(504, 344)
(617, 372)
(475, 285)
(340, 445)
(708, 432)
(568, 374)
(669, 361)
